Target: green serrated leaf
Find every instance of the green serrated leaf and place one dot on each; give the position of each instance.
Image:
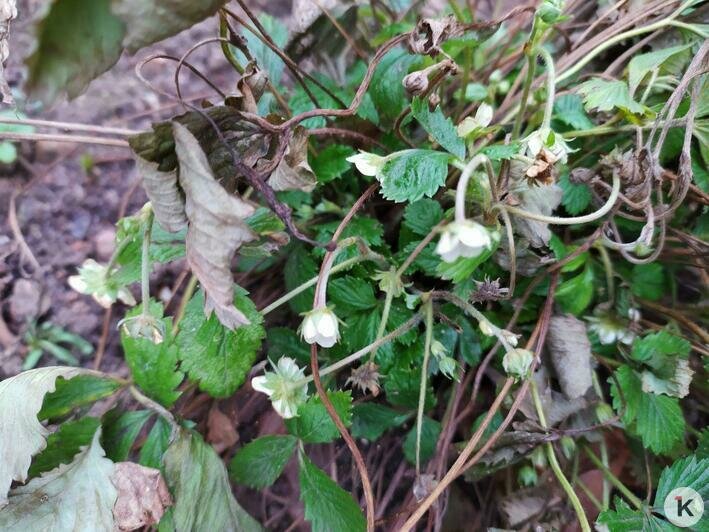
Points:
(351, 294)
(402, 387)
(642, 64)
(331, 162)
(386, 89)
(313, 423)
(568, 108)
(576, 196)
(422, 215)
(155, 444)
(439, 126)
(217, 358)
(260, 462)
(64, 444)
(413, 174)
(463, 267)
(327, 506)
(625, 519)
(648, 281)
(76, 393)
(688, 472)
(283, 341)
(371, 420)
(652, 348)
(576, 294)
(120, 429)
(500, 152)
(605, 95)
(153, 366)
(430, 431)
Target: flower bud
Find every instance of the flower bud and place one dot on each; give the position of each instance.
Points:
(145, 327)
(416, 83)
(390, 282)
(568, 446)
(464, 238)
(367, 163)
(604, 412)
(486, 328)
(320, 326)
(517, 362)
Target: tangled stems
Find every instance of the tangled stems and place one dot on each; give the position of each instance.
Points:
(554, 463)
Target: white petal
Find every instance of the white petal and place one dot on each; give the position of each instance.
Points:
(77, 283)
(367, 163)
(474, 235)
(326, 341)
(309, 329)
(327, 325)
(446, 243)
(484, 115)
(260, 385)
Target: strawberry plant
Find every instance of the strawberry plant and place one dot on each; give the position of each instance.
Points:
(434, 267)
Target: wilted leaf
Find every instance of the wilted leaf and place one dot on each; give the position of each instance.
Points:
(216, 228)
(570, 352)
(517, 508)
(77, 497)
(64, 444)
(8, 11)
(75, 42)
(150, 21)
(167, 200)
(21, 399)
(539, 200)
(640, 65)
(200, 486)
(294, 172)
(142, 496)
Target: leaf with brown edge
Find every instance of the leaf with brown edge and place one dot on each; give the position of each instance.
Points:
(142, 496)
(165, 196)
(294, 172)
(216, 228)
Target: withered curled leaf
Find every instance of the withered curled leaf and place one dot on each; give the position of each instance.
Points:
(430, 33)
(8, 11)
(541, 199)
(570, 352)
(164, 194)
(216, 227)
(294, 172)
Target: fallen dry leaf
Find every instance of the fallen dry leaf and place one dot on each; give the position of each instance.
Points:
(142, 496)
(221, 432)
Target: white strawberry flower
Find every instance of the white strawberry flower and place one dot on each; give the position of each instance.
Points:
(320, 326)
(472, 124)
(95, 280)
(546, 139)
(517, 362)
(367, 163)
(285, 386)
(463, 238)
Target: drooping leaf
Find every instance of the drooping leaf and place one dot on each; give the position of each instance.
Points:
(155, 444)
(439, 126)
(165, 196)
(200, 486)
(260, 462)
(153, 365)
(75, 42)
(151, 21)
(568, 108)
(216, 227)
(21, 399)
(642, 64)
(293, 171)
(217, 358)
(313, 423)
(120, 429)
(413, 174)
(605, 95)
(327, 506)
(58, 499)
(64, 444)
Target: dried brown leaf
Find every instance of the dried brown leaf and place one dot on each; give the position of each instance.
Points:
(430, 33)
(142, 496)
(216, 228)
(294, 172)
(8, 11)
(570, 352)
(221, 432)
(164, 194)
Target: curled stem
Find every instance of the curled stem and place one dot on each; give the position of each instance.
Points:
(468, 170)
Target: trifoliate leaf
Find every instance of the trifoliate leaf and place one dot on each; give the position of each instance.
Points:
(75, 42)
(217, 358)
(626, 519)
(120, 429)
(688, 472)
(371, 420)
(439, 126)
(606, 95)
(568, 108)
(412, 174)
(21, 399)
(59, 499)
(313, 423)
(331, 162)
(351, 294)
(260, 462)
(64, 444)
(155, 20)
(653, 348)
(430, 431)
(216, 227)
(421, 216)
(200, 486)
(153, 365)
(327, 506)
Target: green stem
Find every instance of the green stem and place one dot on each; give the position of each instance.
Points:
(635, 501)
(604, 446)
(551, 457)
(385, 318)
(145, 265)
(551, 87)
(608, 267)
(155, 407)
(189, 290)
(531, 64)
(610, 130)
(424, 375)
(226, 47)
